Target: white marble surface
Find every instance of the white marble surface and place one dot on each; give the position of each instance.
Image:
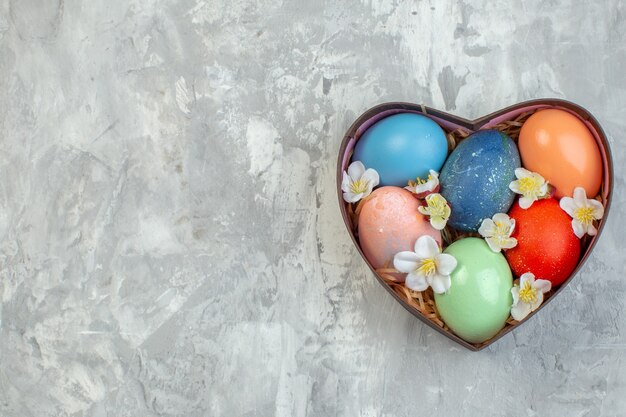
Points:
(170, 237)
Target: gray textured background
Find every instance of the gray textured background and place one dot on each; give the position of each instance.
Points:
(170, 237)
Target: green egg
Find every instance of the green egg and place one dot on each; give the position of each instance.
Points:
(479, 300)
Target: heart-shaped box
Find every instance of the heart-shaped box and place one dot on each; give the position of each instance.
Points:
(451, 123)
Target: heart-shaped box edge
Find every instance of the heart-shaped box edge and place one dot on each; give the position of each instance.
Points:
(371, 116)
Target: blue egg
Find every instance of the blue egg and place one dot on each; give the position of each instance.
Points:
(475, 179)
(402, 147)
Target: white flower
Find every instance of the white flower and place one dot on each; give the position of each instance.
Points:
(437, 209)
(530, 185)
(427, 266)
(497, 232)
(422, 187)
(358, 182)
(528, 296)
(583, 212)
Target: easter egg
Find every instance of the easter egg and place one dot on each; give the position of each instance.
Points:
(390, 223)
(402, 147)
(479, 300)
(546, 243)
(475, 179)
(558, 145)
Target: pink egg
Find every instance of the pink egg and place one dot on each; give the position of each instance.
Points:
(390, 223)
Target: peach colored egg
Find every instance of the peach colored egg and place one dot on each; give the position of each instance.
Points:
(558, 145)
(390, 223)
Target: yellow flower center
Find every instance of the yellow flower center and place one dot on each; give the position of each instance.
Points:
(419, 181)
(584, 215)
(527, 293)
(359, 186)
(436, 206)
(529, 185)
(427, 266)
(501, 234)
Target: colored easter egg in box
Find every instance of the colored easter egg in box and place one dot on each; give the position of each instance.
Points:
(475, 179)
(558, 145)
(402, 147)
(390, 223)
(478, 302)
(546, 243)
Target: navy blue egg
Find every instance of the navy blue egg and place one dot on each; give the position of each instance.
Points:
(475, 179)
(402, 147)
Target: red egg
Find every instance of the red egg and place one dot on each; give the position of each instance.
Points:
(546, 243)
(390, 223)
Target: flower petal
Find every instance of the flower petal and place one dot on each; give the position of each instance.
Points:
(447, 211)
(406, 261)
(440, 283)
(487, 228)
(591, 230)
(520, 310)
(501, 217)
(345, 182)
(372, 177)
(515, 294)
(352, 198)
(416, 282)
(508, 243)
(445, 263)
(527, 277)
(522, 173)
(578, 228)
(514, 186)
(423, 209)
(493, 244)
(356, 170)
(370, 186)
(438, 223)
(538, 300)
(368, 190)
(580, 196)
(421, 188)
(598, 209)
(526, 202)
(568, 205)
(542, 285)
(426, 247)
